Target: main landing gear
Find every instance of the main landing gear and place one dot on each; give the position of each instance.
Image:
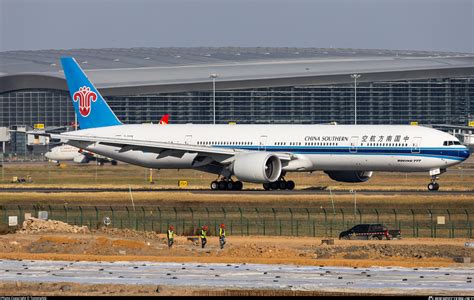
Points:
(227, 185)
(280, 184)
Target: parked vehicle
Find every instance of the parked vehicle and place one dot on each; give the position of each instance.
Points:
(370, 232)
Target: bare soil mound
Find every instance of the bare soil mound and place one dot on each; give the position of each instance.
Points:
(34, 225)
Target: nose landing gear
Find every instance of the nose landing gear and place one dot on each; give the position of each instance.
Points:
(433, 185)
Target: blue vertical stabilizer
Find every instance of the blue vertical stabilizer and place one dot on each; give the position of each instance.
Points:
(91, 109)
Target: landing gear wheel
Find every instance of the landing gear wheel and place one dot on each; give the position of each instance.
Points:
(274, 185)
(433, 186)
(230, 185)
(266, 186)
(290, 185)
(214, 185)
(222, 185)
(282, 185)
(238, 185)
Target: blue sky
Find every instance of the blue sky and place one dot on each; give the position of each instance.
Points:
(374, 24)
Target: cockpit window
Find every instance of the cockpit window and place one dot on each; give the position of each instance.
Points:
(450, 143)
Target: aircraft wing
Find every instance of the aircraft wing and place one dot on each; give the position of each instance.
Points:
(163, 149)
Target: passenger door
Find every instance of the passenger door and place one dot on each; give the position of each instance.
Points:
(415, 148)
(262, 143)
(354, 142)
(188, 139)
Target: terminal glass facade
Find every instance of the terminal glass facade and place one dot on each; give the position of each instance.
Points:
(430, 101)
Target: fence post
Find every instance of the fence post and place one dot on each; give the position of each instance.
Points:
(396, 215)
(343, 219)
(330, 228)
(144, 219)
(50, 212)
(192, 215)
(175, 216)
(377, 213)
(225, 214)
(314, 228)
(291, 218)
(325, 222)
(231, 227)
(449, 215)
(309, 228)
(360, 215)
(274, 219)
(258, 220)
(96, 215)
(20, 213)
(247, 227)
(207, 210)
(128, 216)
(82, 216)
(113, 216)
(36, 208)
(264, 231)
(280, 226)
(431, 221)
(413, 214)
(241, 221)
(161, 220)
(297, 228)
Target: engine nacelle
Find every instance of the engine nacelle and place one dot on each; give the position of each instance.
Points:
(257, 167)
(80, 159)
(349, 176)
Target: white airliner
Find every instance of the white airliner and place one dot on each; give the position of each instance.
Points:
(258, 153)
(70, 153)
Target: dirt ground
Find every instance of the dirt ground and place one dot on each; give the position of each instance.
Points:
(71, 289)
(128, 245)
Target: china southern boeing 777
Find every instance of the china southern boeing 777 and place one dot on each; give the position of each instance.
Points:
(258, 153)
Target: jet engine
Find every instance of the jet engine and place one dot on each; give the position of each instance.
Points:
(349, 176)
(260, 167)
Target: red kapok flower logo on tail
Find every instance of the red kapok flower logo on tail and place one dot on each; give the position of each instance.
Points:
(84, 95)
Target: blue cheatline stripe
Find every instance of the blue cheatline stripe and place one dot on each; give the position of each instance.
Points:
(451, 153)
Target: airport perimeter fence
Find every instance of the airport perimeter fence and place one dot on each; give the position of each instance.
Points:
(277, 221)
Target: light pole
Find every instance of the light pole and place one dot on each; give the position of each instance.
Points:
(355, 76)
(214, 76)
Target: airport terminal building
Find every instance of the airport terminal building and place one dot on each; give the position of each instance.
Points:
(246, 85)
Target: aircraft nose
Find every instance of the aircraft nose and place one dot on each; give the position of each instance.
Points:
(468, 153)
(465, 153)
